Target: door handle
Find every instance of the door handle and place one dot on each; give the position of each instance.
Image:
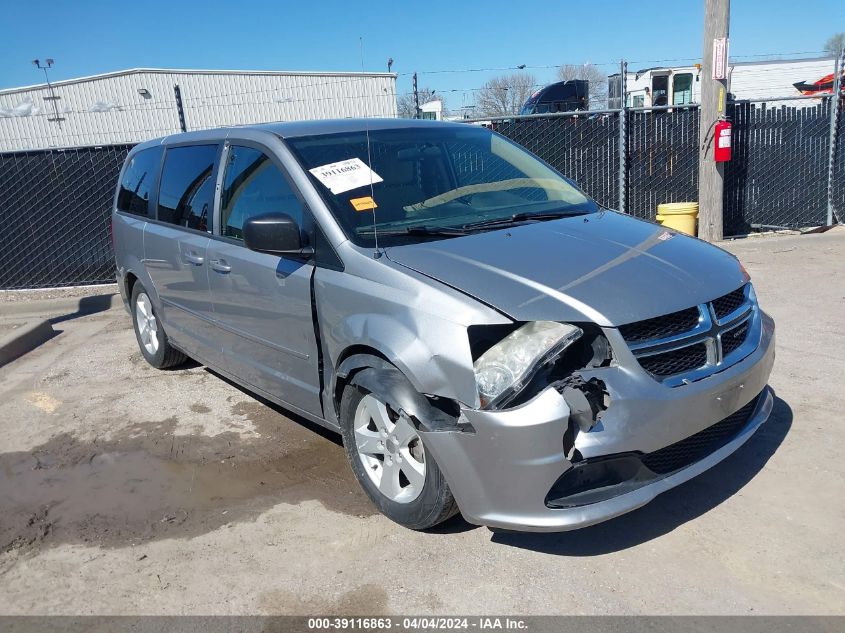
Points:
(220, 265)
(192, 258)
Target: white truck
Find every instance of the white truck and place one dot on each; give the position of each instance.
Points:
(681, 85)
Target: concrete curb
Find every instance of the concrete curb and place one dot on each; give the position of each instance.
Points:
(24, 339)
(53, 308)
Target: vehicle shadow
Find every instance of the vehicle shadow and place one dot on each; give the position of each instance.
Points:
(330, 435)
(671, 509)
(454, 525)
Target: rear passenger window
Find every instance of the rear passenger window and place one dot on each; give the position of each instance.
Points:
(186, 194)
(137, 182)
(254, 186)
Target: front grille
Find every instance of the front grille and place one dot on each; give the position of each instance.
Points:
(677, 361)
(699, 329)
(696, 447)
(734, 338)
(726, 304)
(660, 327)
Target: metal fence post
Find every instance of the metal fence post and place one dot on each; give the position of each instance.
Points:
(834, 117)
(623, 154)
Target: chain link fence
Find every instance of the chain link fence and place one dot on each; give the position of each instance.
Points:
(778, 173)
(837, 175)
(662, 159)
(584, 147)
(55, 211)
(55, 204)
(777, 176)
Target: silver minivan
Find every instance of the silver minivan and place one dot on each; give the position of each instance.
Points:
(485, 337)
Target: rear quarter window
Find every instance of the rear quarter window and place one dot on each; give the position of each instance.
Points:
(136, 185)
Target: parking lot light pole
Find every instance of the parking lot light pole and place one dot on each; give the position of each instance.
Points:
(52, 97)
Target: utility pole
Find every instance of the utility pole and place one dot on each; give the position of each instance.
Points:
(416, 99)
(714, 91)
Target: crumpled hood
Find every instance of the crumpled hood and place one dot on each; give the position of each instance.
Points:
(606, 267)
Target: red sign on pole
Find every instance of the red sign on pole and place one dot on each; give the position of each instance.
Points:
(720, 58)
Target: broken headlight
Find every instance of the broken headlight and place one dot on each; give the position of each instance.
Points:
(504, 369)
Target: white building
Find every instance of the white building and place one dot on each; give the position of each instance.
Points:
(133, 105)
(680, 85)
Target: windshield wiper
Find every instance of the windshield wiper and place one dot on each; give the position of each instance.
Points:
(547, 215)
(525, 216)
(420, 229)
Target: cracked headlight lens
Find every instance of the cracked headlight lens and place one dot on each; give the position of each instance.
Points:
(505, 368)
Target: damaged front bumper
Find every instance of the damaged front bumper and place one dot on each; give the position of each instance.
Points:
(512, 472)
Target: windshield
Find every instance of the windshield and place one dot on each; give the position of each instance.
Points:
(432, 183)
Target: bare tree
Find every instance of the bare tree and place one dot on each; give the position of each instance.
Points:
(591, 73)
(505, 95)
(834, 45)
(406, 107)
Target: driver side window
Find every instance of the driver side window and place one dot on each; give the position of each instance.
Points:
(254, 186)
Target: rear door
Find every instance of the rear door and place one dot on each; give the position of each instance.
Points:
(175, 246)
(134, 204)
(262, 303)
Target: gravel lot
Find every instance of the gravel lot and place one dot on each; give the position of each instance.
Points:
(126, 490)
(17, 296)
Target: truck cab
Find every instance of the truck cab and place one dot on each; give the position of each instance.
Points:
(563, 96)
(663, 87)
(655, 87)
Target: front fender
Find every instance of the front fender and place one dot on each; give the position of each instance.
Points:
(441, 367)
(415, 323)
(393, 388)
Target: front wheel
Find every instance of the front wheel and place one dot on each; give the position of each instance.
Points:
(389, 459)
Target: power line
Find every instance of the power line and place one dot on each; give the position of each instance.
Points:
(613, 64)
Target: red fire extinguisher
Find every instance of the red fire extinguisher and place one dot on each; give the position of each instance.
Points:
(722, 136)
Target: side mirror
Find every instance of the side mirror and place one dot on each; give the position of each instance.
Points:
(274, 233)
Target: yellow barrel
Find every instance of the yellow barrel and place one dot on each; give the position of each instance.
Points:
(680, 216)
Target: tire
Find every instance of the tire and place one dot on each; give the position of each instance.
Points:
(421, 500)
(152, 341)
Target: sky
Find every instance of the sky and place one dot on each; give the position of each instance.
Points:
(472, 42)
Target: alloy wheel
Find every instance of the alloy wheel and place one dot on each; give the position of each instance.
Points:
(147, 323)
(390, 450)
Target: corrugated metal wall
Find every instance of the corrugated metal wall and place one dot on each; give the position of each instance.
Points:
(770, 80)
(110, 109)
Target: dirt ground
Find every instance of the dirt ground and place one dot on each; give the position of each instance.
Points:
(127, 490)
(8, 328)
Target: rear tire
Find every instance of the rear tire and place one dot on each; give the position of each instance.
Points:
(152, 340)
(390, 462)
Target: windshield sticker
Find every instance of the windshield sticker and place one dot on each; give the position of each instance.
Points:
(345, 175)
(363, 204)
